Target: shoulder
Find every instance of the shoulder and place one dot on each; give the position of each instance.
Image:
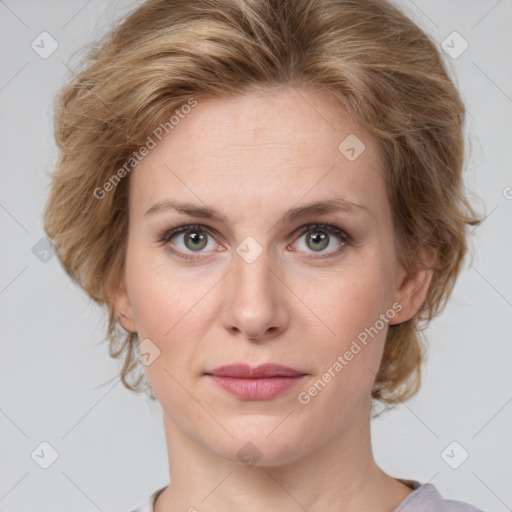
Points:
(149, 504)
(426, 498)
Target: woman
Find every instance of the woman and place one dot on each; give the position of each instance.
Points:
(311, 151)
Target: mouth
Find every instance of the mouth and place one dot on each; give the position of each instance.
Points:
(256, 382)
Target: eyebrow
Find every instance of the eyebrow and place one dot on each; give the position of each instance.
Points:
(316, 208)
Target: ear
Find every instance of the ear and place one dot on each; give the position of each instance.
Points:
(412, 284)
(122, 305)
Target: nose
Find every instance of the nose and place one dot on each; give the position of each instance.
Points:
(254, 301)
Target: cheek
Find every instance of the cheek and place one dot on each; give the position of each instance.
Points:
(351, 300)
(172, 308)
(349, 357)
(160, 294)
(351, 304)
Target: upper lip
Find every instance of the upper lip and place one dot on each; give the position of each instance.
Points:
(244, 371)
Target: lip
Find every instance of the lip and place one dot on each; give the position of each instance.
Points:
(261, 382)
(244, 371)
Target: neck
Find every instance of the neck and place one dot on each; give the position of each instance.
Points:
(339, 475)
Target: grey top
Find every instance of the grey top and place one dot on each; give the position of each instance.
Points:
(425, 498)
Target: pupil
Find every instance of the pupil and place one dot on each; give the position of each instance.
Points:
(198, 240)
(320, 238)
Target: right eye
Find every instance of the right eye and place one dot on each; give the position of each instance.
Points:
(188, 240)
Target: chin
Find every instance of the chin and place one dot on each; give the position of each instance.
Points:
(257, 442)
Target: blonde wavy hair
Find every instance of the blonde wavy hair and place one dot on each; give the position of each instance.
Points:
(382, 68)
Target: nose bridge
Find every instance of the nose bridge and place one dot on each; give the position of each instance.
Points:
(254, 304)
(252, 274)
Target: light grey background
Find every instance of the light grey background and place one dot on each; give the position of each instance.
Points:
(58, 385)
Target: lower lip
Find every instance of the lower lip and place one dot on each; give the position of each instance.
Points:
(256, 389)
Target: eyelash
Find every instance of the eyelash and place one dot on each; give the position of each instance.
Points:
(168, 233)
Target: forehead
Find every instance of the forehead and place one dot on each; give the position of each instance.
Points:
(263, 146)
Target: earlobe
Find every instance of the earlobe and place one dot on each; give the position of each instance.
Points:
(412, 285)
(122, 306)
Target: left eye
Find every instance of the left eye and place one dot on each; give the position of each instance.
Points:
(319, 237)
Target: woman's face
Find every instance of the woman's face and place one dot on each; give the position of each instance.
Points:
(261, 275)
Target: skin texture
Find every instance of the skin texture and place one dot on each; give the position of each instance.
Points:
(253, 158)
